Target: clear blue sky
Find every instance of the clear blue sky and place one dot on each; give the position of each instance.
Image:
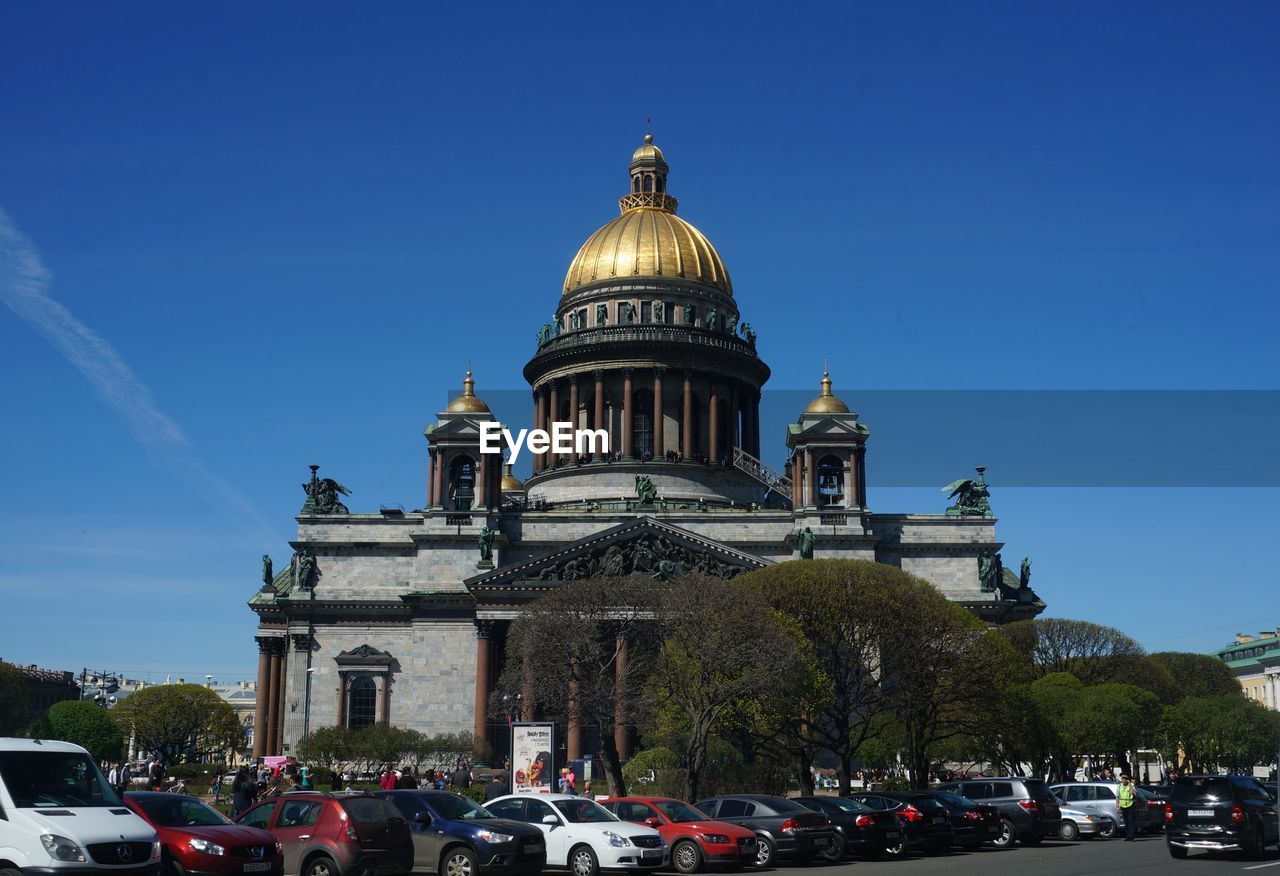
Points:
(295, 223)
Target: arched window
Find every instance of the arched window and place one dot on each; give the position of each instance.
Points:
(462, 483)
(635, 183)
(362, 710)
(642, 424)
(659, 184)
(830, 481)
(648, 183)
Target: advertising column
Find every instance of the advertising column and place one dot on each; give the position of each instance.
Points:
(532, 750)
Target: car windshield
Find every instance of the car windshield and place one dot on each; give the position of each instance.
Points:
(583, 811)
(1195, 790)
(457, 808)
(847, 805)
(53, 779)
(173, 811)
(679, 812)
(955, 799)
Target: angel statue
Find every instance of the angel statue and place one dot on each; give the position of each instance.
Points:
(971, 495)
(645, 490)
(322, 495)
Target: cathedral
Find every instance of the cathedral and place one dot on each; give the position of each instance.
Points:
(401, 617)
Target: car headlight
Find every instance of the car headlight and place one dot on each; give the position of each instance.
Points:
(62, 849)
(715, 838)
(492, 836)
(155, 850)
(203, 845)
(615, 840)
(1091, 818)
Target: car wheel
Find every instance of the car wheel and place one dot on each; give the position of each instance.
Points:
(1177, 852)
(686, 857)
(582, 861)
(1068, 831)
(173, 867)
(1007, 835)
(1106, 828)
(835, 851)
(10, 872)
(897, 850)
(764, 851)
(459, 861)
(320, 866)
(1257, 847)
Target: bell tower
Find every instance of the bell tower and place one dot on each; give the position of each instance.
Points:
(828, 451)
(460, 477)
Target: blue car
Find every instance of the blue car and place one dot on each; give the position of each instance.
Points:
(454, 836)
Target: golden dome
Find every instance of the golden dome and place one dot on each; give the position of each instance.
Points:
(648, 152)
(510, 481)
(467, 403)
(826, 403)
(647, 242)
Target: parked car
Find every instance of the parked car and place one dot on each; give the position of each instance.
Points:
(926, 823)
(1028, 810)
(856, 827)
(196, 838)
(345, 833)
(1106, 827)
(1220, 814)
(59, 816)
(783, 828)
(454, 836)
(694, 839)
(974, 823)
(1101, 798)
(582, 835)
(1078, 824)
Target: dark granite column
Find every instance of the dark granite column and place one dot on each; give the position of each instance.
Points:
(686, 432)
(713, 423)
(626, 413)
(598, 405)
(659, 445)
(484, 650)
(263, 692)
(553, 414)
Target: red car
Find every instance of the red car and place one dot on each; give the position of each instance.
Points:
(695, 840)
(197, 839)
(348, 833)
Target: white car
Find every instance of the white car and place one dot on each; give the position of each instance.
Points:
(583, 836)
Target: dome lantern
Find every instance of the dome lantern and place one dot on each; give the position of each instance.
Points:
(648, 169)
(467, 403)
(826, 403)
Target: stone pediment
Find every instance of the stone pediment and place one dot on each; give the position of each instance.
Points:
(644, 546)
(364, 655)
(459, 426)
(834, 426)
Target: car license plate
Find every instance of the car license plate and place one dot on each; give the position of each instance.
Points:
(893, 834)
(257, 868)
(1200, 813)
(652, 853)
(819, 840)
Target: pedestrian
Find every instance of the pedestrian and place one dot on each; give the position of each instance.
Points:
(1125, 800)
(304, 777)
(217, 786)
(335, 777)
(244, 788)
(155, 773)
(407, 780)
(113, 777)
(496, 788)
(586, 790)
(462, 777)
(441, 782)
(388, 782)
(123, 777)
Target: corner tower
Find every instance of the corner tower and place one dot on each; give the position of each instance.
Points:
(647, 344)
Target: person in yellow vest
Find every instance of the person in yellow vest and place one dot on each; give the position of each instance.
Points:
(1126, 798)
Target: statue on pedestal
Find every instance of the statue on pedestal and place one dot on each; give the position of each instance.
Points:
(1024, 574)
(806, 540)
(486, 545)
(267, 576)
(304, 567)
(602, 314)
(322, 495)
(659, 312)
(689, 312)
(971, 495)
(713, 320)
(646, 492)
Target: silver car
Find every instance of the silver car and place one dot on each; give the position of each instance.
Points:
(1078, 824)
(1100, 799)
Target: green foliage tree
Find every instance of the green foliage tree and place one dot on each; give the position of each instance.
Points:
(86, 724)
(710, 660)
(847, 611)
(1091, 652)
(14, 714)
(180, 720)
(1229, 730)
(1194, 675)
(326, 746)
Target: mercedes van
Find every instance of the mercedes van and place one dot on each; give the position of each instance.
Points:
(59, 817)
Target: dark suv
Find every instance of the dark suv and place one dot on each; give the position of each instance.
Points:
(1028, 810)
(340, 834)
(1220, 814)
(782, 827)
(453, 836)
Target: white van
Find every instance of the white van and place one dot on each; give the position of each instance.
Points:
(59, 817)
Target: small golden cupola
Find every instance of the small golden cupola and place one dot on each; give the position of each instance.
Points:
(467, 403)
(510, 482)
(826, 403)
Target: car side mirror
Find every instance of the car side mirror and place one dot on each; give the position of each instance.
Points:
(652, 822)
(551, 820)
(423, 817)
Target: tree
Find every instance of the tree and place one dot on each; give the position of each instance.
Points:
(943, 670)
(846, 610)
(720, 646)
(1228, 731)
(1195, 675)
(86, 724)
(180, 719)
(566, 658)
(14, 714)
(328, 746)
(1091, 652)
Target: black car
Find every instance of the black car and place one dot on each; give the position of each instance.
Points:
(783, 827)
(926, 822)
(1028, 810)
(1220, 814)
(973, 823)
(453, 836)
(856, 827)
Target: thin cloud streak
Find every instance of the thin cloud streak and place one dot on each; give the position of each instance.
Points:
(24, 284)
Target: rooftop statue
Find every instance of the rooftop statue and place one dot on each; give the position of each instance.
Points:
(990, 571)
(1024, 574)
(659, 312)
(267, 576)
(645, 490)
(322, 495)
(304, 567)
(688, 314)
(713, 319)
(971, 495)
